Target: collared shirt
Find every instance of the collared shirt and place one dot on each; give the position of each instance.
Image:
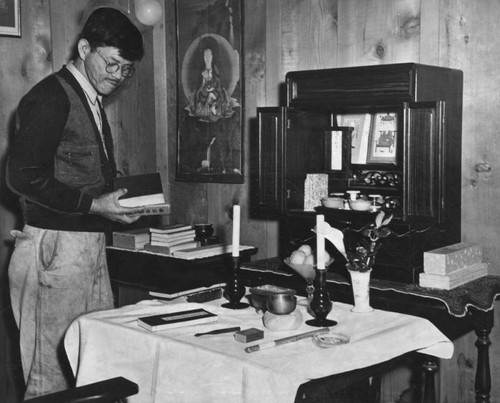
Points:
(93, 98)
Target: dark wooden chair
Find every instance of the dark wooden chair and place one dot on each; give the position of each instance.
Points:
(108, 391)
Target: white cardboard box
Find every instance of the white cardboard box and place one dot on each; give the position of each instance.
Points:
(453, 257)
(455, 278)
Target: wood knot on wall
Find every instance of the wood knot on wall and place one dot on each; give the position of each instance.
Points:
(380, 50)
(409, 26)
(482, 172)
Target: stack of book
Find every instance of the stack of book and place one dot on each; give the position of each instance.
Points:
(171, 238)
(451, 266)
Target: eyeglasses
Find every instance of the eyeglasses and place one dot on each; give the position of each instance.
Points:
(127, 71)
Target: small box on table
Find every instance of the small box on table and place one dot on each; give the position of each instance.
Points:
(248, 335)
(455, 278)
(447, 259)
(131, 239)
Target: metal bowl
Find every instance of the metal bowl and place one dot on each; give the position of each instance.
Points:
(281, 304)
(258, 295)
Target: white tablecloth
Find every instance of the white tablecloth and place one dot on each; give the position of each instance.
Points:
(175, 366)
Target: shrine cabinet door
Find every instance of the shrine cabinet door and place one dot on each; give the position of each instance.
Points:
(267, 164)
(424, 161)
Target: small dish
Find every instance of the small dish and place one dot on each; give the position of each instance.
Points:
(330, 339)
(360, 204)
(333, 202)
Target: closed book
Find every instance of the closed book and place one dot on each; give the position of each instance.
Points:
(175, 242)
(174, 320)
(142, 190)
(156, 209)
(169, 229)
(168, 250)
(204, 251)
(207, 251)
(131, 239)
(173, 237)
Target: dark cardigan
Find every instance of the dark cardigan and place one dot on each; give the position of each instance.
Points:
(43, 124)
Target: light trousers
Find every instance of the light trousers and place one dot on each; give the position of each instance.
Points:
(54, 277)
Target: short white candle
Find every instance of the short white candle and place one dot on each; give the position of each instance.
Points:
(320, 243)
(236, 230)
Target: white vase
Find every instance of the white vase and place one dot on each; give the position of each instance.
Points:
(361, 290)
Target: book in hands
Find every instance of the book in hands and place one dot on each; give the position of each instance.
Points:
(142, 190)
(174, 320)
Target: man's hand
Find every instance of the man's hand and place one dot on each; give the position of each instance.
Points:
(108, 206)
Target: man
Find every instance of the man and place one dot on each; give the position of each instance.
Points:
(61, 165)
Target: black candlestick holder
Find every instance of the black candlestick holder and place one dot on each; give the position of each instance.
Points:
(234, 290)
(320, 305)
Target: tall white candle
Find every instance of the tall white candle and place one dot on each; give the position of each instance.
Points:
(320, 243)
(236, 230)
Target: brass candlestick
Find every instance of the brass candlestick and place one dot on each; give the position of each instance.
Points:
(234, 291)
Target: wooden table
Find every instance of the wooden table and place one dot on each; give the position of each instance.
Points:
(134, 273)
(455, 312)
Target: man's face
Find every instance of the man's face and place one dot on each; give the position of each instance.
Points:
(96, 63)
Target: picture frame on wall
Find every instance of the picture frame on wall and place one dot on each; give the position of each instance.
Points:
(210, 91)
(10, 18)
(382, 144)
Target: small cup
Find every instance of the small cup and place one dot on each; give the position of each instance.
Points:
(203, 231)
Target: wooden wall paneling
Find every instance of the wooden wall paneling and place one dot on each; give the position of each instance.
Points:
(309, 34)
(171, 92)
(65, 23)
(161, 95)
(466, 44)
(274, 74)
(379, 32)
(429, 32)
(256, 232)
(133, 118)
(273, 81)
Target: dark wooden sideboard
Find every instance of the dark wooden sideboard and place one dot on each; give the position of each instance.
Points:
(134, 273)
